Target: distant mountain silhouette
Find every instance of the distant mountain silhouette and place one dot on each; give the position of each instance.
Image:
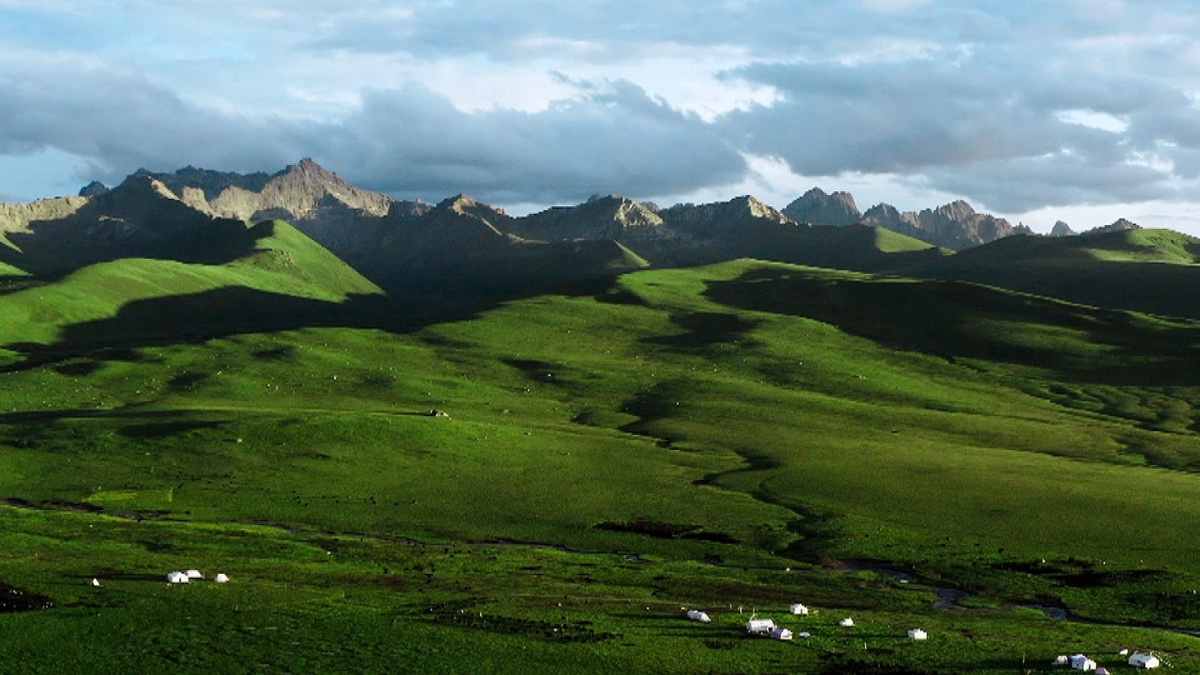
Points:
(464, 247)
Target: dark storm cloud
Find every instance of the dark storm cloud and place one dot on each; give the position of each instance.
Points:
(410, 141)
(1016, 105)
(121, 121)
(986, 123)
(616, 139)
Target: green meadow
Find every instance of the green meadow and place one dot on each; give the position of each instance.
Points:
(1013, 473)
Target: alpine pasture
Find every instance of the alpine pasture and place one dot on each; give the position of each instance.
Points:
(1016, 478)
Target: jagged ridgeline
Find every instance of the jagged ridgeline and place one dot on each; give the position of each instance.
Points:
(461, 251)
(137, 264)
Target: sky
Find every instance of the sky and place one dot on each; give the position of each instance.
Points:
(1079, 110)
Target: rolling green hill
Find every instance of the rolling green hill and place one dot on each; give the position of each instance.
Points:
(283, 265)
(734, 438)
(1143, 270)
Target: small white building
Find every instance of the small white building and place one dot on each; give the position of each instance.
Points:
(798, 609)
(759, 626)
(1140, 660)
(697, 615)
(177, 577)
(847, 622)
(918, 634)
(780, 633)
(1081, 662)
(194, 574)
(95, 582)
(221, 578)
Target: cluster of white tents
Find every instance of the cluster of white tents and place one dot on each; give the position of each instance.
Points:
(1082, 662)
(177, 577)
(767, 627)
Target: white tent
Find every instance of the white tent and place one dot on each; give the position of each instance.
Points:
(798, 609)
(780, 633)
(1081, 662)
(846, 622)
(1139, 660)
(697, 615)
(95, 581)
(221, 578)
(918, 634)
(177, 577)
(194, 574)
(759, 626)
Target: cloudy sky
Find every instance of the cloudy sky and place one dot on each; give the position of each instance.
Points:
(1084, 110)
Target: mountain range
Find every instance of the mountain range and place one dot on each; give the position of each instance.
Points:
(466, 249)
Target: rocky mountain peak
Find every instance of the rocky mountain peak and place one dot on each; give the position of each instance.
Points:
(957, 210)
(460, 203)
(1061, 229)
(308, 170)
(141, 185)
(300, 192)
(818, 208)
(882, 211)
(93, 189)
(1119, 225)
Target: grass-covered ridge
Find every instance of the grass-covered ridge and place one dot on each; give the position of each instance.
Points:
(1146, 270)
(283, 262)
(744, 434)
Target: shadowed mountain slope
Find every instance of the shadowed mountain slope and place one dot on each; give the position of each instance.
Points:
(1145, 270)
(140, 218)
(956, 320)
(610, 217)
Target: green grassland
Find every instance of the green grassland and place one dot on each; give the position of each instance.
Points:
(283, 263)
(975, 461)
(1148, 270)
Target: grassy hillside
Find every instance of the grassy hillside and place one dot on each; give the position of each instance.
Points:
(746, 435)
(1142, 270)
(283, 263)
(7, 270)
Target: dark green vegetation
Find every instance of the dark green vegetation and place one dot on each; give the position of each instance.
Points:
(1142, 270)
(738, 437)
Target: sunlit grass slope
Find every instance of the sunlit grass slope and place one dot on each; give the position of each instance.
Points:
(740, 376)
(284, 262)
(11, 270)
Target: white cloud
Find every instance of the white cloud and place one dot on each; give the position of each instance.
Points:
(1094, 120)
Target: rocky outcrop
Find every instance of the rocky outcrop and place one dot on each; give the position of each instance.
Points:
(818, 208)
(734, 217)
(297, 194)
(17, 217)
(1119, 225)
(141, 217)
(209, 183)
(955, 225)
(93, 189)
(610, 217)
(1061, 229)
